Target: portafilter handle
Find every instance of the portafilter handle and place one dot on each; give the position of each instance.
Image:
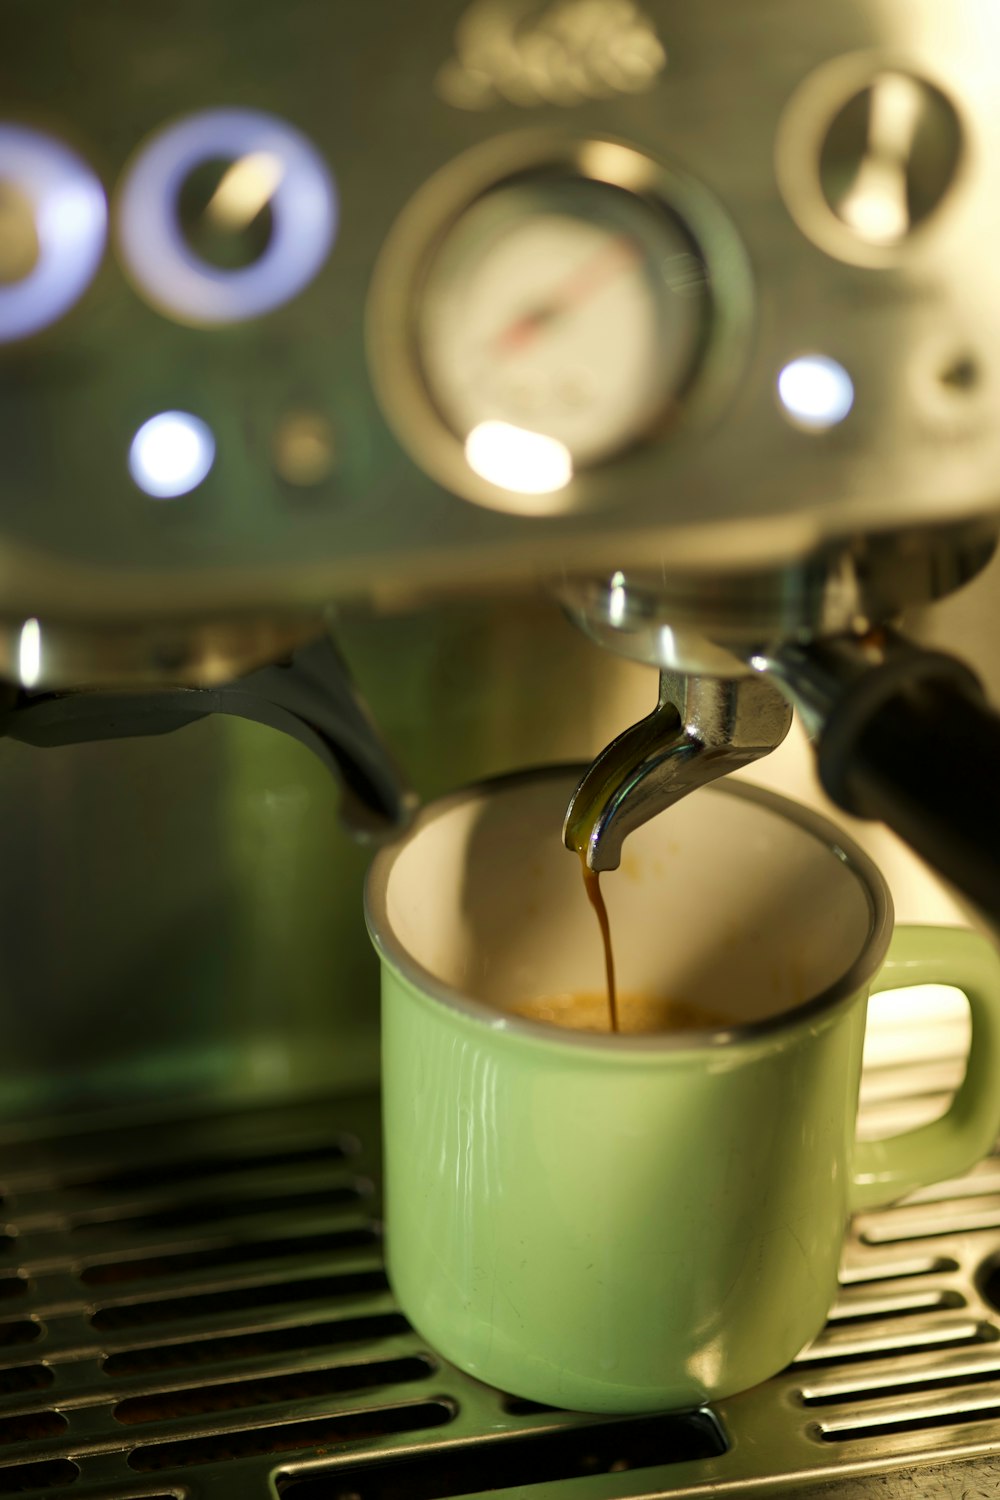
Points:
(310, 697)
(905, 735)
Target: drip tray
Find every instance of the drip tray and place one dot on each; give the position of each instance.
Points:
(198, 1308)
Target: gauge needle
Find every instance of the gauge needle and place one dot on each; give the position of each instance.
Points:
(618, 255)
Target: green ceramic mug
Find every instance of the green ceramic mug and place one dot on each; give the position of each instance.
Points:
(627, 1223)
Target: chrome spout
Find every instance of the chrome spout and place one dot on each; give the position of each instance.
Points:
(702, 728)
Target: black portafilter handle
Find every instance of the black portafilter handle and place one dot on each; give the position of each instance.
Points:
(906, 735)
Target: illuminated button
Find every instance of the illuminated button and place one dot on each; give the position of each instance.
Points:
(271, 167)
(816, 392)
(171, 454)
(54, 227)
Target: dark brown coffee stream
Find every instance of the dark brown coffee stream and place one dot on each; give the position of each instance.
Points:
(592, 885)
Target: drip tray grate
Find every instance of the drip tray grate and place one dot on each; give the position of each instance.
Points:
(199, 1308)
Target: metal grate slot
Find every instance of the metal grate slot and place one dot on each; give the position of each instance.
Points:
(303, 1385)
(989, 1283)
(854, 1308)
(225, 1257)
(917, 1222)
(237, 1299)
(928, 1372)
(7, 1241)
(27, 1479)
(889, 1270)
(91, 1139)
(193, 1169)
(213, 1210)
(528, 1459)
(342, 1427)
(911, 1413)
(14, 1286)
(25, 1378)
(24, 1331)
(32, 1426)
(261, 1343)
(834, 1345)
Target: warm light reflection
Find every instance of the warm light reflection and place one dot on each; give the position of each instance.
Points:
(244, 189)
(617, 599)
(527, 463)
(303, 448)
(171, 454)
(816, 391)
(877, 205)
(29, 654)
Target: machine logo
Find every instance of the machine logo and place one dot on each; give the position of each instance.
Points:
(538, 52)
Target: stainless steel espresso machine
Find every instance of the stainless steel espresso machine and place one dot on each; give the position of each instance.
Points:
(387, 345)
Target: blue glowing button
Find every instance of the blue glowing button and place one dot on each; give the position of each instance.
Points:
(816, 392)
(272, 165)
(171, 454)
(70, 215)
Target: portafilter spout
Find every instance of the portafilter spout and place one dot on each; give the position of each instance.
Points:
(702, 728)
(901, 734)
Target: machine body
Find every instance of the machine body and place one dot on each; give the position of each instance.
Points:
(612, 303)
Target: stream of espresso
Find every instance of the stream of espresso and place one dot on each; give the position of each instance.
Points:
(592, 885)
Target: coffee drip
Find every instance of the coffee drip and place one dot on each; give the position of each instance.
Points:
(645, 1013)
(592, 885)
(577, 835)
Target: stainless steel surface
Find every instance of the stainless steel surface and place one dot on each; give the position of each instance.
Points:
(702, 728)
(714, 621)
(56, 651)
(719, 94)
(196, 1306)
(180, 925)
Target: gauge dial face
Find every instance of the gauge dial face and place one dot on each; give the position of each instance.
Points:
(570, 311)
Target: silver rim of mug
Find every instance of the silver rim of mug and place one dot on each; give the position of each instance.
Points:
(865, 965)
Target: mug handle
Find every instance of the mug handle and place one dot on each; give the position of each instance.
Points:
(889, 1169)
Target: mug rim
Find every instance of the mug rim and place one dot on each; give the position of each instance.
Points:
(863, 967)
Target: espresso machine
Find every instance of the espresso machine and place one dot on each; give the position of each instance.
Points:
(361, 367)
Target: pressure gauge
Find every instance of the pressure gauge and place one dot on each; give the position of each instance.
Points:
(569, 310)
(549, 318)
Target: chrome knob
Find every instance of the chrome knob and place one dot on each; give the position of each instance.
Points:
(890, 156)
